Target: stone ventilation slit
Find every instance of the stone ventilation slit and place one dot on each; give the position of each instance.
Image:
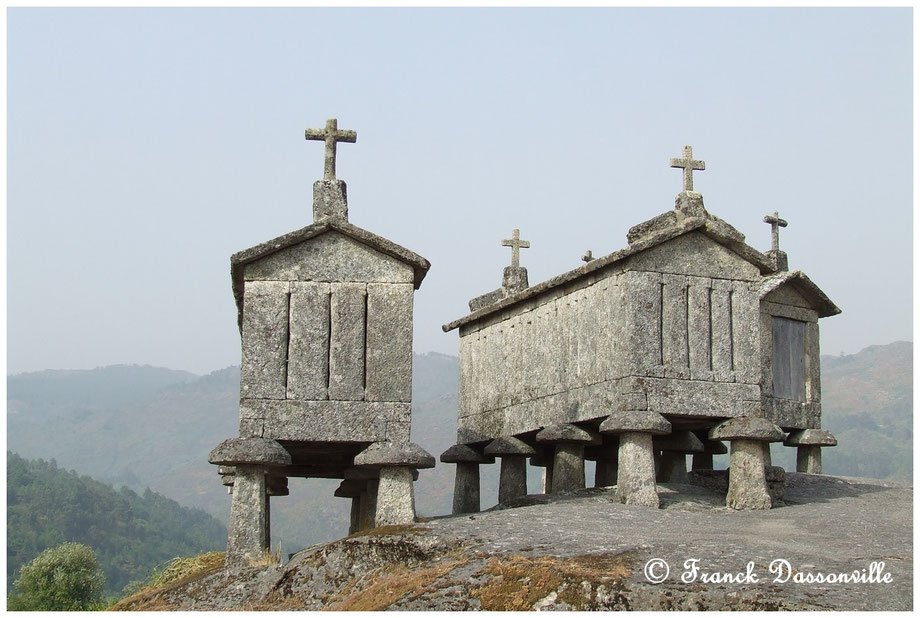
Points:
(661, 323)
(709, 313)
(687, 323)
(731, 331)
(364, 343)
(287, 345)
(329, 341)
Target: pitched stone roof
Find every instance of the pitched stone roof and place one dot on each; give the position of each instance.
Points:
(804, 286)
(239, 260)
(716, 229)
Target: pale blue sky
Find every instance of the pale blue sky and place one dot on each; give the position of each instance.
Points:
(146, 146)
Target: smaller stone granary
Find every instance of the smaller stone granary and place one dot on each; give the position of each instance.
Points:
(325, 316)
(686, 338)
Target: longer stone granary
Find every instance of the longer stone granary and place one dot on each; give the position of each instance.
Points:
(325, 316)
(686, 338)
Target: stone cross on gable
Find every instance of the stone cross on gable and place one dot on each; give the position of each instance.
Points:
(331, 134)
(689, 166)
(776, 223)
(516, 245)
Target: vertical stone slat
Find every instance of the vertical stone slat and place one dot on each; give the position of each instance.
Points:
(263, 367)
(389, 342)
(698, 318)
(347, 340)
(721, 329)
(674, 321)
(745, 312)
(308, 349)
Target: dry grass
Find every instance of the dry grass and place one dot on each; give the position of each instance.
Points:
(177, 572)
(518, 582)
(390, 584)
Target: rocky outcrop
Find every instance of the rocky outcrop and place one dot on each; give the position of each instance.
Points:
(583, 550)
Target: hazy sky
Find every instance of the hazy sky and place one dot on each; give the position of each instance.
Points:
(146, 146)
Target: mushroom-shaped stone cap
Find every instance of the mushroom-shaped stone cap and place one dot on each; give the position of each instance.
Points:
(714, 447)
(638, 421)
(386, 454)
(250, 451)
(747, 428)
(349, 489)
(810, 437)
(508, 445)
(461, 453)
(566, 432)
(680, 441)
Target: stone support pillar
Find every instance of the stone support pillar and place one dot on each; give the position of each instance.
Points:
(395, 497)
(636, 456)
(354, 520)
(248, 514)
(674, 448)
(391, 498)
(702, 461)
(808, 459)
(466, 479)
(747, 481)
(568, 456)
(636, 470)
(809, 443)
(249, 526)
(605, 457)
(512, 481)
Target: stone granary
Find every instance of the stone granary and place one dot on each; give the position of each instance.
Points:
(686, 338)
(325, 316)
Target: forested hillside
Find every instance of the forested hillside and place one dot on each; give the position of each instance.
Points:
(130, 533)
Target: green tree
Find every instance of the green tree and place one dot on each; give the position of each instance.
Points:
(63, 578)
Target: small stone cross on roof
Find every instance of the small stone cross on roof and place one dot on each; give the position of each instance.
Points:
(516, 245)
(689, 166)
(331, 134)
(776, 223)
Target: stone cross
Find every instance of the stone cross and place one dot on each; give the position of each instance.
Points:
(331, 134)
(516, 245)
(689, 165)
(776, 223)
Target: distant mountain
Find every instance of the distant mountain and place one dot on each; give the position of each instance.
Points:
(159, 434)
(130, 533)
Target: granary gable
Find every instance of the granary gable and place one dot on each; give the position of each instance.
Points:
(795, 288)
(319, 251)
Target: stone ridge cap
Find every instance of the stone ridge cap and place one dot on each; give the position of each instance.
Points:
(239, 259)
(689, 224)
(824, 305)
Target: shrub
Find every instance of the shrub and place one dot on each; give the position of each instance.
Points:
(63, 578)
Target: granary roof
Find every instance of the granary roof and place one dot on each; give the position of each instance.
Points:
(239, 260)
(804, 286)
(655, 232)
(712, 227)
